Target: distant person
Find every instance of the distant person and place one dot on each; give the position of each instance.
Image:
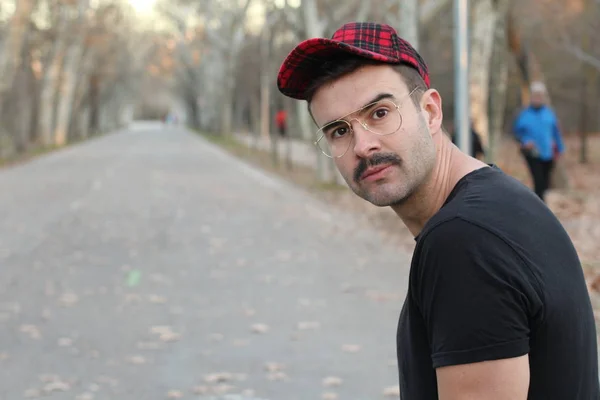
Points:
(536, 128)
(476, 145)
(496, 305)
(281, 122)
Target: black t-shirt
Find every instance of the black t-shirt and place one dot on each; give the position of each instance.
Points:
(494, 275)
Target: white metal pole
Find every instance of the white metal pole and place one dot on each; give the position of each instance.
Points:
(461, 73)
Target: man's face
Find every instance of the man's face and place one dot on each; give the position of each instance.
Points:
(382, 169)
(538, 99)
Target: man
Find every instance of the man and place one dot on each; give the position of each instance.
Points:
(536, 129)
(281, 122)
(497, 307)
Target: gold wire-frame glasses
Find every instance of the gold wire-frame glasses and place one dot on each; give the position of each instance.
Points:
(348, 122)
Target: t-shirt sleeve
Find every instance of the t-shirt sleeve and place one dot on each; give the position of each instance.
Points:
(476, 295)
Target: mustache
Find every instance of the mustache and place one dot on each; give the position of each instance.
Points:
(377, 159)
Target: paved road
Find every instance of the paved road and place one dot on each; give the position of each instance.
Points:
(148, 264)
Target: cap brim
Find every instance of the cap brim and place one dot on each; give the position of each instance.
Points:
(303, 65)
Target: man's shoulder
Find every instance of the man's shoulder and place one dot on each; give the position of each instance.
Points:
(459, 231)
(488, 201)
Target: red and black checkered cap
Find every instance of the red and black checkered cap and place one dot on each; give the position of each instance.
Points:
(378, 42)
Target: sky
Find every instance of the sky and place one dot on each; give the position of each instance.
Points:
(143, 7)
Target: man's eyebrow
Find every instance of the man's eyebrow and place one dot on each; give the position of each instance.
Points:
(375, 99)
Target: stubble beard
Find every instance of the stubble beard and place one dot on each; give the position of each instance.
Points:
(406, 179)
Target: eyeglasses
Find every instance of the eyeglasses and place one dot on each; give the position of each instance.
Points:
(381, 118)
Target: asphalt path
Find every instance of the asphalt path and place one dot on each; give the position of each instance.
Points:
(150, 264)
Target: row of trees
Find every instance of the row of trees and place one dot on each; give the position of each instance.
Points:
(224, 56)
(68, 69)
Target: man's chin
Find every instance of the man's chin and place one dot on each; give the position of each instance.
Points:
(380, 198)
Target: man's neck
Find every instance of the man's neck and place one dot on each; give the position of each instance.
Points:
(451, 166)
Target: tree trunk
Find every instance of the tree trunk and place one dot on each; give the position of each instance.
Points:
(498, 83)
(71, 66)
(10, 57)
(265, 82)
(485, 17)
(409, 21)
(48, 100)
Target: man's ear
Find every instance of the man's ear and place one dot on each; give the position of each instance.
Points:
(431, 103)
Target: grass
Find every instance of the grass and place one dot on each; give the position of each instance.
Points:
(300, 175)
(36, 150)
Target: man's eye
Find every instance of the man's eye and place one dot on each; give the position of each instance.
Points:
(380, 113)
(341, 131)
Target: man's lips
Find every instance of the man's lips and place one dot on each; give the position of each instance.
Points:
(374, 172)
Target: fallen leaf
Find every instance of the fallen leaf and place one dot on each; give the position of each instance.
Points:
(133, 298)
(260, 328)
(46, 378)
(158, 329)
(218, 377)
(156, 299)
(32, 330)
(148, 345)
(57, 386)
(174, 394)
(169, 337)
(68, 299)
(241, 342)
(595, 283)
(309, 325)
(165, 333)
(332, 381)
(277, 376)
(382, 297)
(351, 348)
(273, 367)
(32, 393)
(136, 360)
(4, 356)
(201, 390)
(222, 389)
(392, 391)
(94, 387)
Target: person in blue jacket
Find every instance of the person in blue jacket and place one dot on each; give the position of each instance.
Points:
(536, 128)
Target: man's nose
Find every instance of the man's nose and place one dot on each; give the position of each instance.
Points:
(365, 142)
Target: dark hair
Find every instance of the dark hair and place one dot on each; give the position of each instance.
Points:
(337, 68)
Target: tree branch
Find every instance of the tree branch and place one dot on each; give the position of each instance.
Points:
(430, 9)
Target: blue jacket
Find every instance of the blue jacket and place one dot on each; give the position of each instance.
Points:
(539, 126)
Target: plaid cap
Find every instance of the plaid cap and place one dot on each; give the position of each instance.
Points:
(378, 42)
